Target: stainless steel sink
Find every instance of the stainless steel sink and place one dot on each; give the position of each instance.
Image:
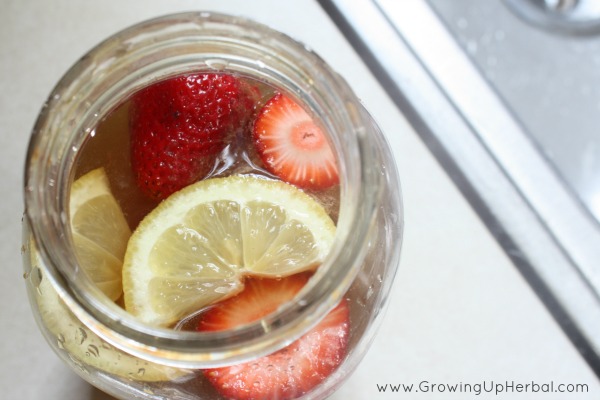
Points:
(550, 81)
(513, 113)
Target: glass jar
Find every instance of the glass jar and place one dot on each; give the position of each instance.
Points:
(97, 338)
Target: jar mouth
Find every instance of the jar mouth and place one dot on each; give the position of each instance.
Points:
(174, 45)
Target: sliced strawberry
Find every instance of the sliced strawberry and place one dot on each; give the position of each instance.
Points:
(292, 146)
(290, 372)
(180, 125)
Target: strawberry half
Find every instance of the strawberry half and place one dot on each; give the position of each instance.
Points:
(290, 372)
(292, 146)
(180, 125)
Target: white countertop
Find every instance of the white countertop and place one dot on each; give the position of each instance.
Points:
(459, 312)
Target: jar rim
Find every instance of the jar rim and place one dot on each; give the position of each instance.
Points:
(100, 79)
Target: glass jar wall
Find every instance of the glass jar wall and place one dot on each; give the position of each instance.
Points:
(104, 343)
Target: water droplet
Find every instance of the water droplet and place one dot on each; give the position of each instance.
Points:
(586, 90)
(81, 334)
(35, 277)
(77, 363)
(60, 341)
(147, 389)
(217, 64)
(93, 350)
(472, 46)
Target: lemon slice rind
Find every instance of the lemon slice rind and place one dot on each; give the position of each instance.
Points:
(278, 231)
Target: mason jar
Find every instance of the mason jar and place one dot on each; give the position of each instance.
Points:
(97, 337)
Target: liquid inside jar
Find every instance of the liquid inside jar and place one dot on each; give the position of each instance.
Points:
(255, 179)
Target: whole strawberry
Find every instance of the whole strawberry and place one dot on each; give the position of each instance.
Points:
(180, 125)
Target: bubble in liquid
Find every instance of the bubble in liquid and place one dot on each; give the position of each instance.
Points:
(370, 292)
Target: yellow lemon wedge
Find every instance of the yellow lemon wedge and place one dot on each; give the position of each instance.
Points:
(195, 248)
(100, 231)
(81, 346)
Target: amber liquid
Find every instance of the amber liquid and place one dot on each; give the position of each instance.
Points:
(109, 147)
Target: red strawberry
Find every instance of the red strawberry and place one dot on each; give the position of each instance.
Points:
(291, 371)
(292, 146)
(179, 126)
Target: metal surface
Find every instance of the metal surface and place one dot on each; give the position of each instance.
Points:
(574, 17)
(474, 133)
(548, 79)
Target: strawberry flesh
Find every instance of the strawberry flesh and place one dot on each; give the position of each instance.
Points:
(292, 146)
(290, 372)
(180, 125)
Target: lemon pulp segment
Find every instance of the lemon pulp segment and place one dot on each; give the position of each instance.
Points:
(100, 231)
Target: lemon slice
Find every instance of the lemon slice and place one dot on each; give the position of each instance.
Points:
(78, 344)
(100, 231)
(195, 248)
